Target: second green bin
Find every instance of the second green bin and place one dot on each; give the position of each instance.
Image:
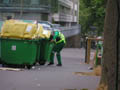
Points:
(45, 51)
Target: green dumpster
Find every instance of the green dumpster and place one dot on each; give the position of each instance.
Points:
(19, 52)
(49, 50)
(1, 23)
(45, 51)
(99, 49)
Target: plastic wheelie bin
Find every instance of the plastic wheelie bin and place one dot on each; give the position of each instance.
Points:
(49, 50)
(45, 50)
(19, 52)
(1, 23)
(99, 54)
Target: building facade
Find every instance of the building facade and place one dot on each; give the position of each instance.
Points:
(68, 12)
(64, 12)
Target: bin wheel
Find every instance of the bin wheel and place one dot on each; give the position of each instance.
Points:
(42, 62)
(29, 66)
(34, 63)
(0, 62)
(22, 66)
(3, 65)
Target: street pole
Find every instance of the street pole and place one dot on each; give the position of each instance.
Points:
(118, 47)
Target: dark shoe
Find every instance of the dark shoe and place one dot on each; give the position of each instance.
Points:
(59, 64)
(50, 63)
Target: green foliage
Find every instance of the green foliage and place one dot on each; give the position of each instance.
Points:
(92, 13)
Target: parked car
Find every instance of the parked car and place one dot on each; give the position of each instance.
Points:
(46, 25)
(56, 26)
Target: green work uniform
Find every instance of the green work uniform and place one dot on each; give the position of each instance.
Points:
(58, 47)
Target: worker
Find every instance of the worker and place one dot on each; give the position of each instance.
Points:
(97, 55)
(59, 40)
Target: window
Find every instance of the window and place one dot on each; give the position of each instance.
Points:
(26, 2)
(19, 1)
(15, 1)
(5, 1)
(1, 1)
(76, 7)
(44, 17)
(44, 2)
(35, 2)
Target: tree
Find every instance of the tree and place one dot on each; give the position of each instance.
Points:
(110, 50)
(92, 13)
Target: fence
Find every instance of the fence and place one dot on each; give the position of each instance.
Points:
(70, 31)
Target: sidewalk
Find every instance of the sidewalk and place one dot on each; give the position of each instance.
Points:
(52, 77)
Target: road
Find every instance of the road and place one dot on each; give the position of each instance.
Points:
(52, 77)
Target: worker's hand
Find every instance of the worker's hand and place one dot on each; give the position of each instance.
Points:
(52, 41)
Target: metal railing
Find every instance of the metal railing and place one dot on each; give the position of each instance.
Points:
(67, 2)
(63, 17)
(70, 31)
(25, 5)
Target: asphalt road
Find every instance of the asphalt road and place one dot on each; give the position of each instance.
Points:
(52, 77)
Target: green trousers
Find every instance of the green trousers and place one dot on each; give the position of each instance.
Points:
(57, 49)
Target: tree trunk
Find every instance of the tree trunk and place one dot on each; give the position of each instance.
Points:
(109, 56)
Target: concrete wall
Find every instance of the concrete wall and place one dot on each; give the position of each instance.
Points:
(73, 42)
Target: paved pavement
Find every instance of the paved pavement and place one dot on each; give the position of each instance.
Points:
(52, 77)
